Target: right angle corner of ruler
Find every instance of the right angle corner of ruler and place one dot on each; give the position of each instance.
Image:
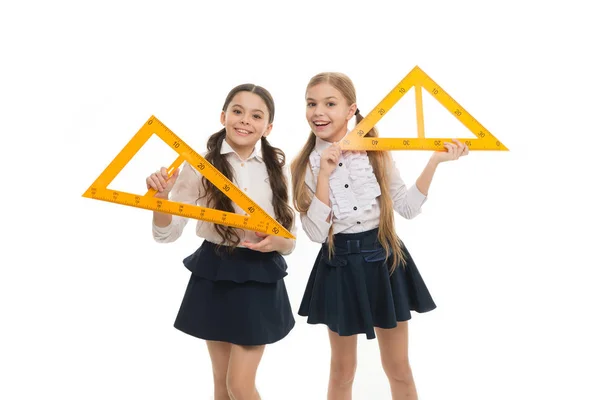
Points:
(256, 219)
(417, 78)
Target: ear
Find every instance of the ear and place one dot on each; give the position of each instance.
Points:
(268, 130)
(351, 112)
(223, 118)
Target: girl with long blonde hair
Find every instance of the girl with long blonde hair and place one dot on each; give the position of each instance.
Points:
(364, 280)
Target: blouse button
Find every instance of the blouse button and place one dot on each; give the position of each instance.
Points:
(242, 164)
(355, 208)
(340, 164)
(346, 186)
(358, 222)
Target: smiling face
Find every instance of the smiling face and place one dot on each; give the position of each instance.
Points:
(328, 112)
(246, 121)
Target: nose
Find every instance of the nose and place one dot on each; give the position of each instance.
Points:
(318, 109)
(246, 119)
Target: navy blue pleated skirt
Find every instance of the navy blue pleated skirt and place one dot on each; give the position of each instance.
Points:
(353, 292)
(238, 298)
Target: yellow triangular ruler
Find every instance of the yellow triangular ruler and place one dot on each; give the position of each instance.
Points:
(418, 79)
(255, 220)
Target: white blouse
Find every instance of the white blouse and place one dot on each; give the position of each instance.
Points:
(249, 175)
(354, 195)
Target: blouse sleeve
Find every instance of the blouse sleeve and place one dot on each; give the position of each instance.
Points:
(318, 218)
(407, 201)
(294, 231)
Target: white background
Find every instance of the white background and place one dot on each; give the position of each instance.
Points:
(507, 241)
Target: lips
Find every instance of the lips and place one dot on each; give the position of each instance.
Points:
(242, 132)
(321, 124)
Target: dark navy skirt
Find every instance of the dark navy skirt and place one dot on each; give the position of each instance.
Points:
(238, 298)
(354, 292)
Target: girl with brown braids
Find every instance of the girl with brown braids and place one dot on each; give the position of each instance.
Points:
(236, 299)
(364, 279)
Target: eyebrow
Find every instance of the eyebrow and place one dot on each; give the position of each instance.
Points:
(326, 98)
(237, 105)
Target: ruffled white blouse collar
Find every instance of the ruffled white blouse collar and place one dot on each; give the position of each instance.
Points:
(353, 186)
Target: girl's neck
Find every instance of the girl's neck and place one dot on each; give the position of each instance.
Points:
(338, 136)
(243, 152)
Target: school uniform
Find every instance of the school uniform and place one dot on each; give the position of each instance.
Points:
(237, 297)
(353, 292)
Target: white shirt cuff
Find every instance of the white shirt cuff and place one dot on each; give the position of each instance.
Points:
(318, 213)
(415, 198)
(165, 233)
(287, 253)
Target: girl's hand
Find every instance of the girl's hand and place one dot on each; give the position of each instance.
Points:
(455, 151)
(329, 159)
(269, 243)
(161, 182)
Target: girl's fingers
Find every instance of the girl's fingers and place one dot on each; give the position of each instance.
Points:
(264, 245)
(150, 184)
(164, 173)
(157, 185)
(334, 150)
(452, 150)
(164, 178)
(161, 179)
(172, 179)
(260, 246)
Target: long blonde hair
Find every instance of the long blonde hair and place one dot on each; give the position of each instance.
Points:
(380, 160)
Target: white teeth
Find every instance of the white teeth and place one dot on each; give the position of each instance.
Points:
(243, 131)
(321, 123)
